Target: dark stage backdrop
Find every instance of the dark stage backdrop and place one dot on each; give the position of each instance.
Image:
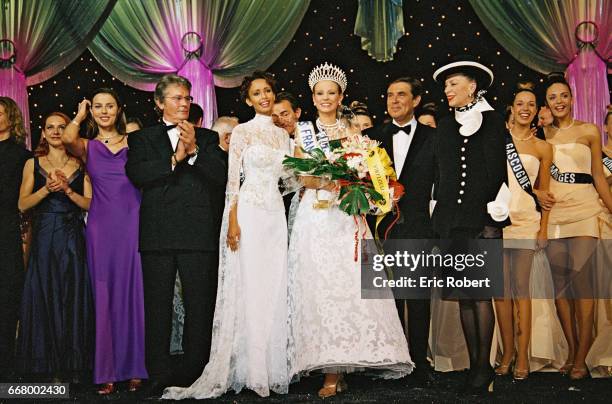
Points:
(434, 31)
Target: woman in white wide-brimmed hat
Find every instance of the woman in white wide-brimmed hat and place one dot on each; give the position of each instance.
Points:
(472, 170)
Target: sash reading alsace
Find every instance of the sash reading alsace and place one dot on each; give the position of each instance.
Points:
(607, 161)
(519, 170)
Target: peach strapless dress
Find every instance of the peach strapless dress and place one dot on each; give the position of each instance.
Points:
(577, 208)
(599, 359)
(523, 213)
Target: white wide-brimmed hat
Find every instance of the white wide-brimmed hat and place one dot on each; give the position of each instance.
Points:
(468, 65)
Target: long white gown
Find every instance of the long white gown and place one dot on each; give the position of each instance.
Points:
(331, 328)
(249, 343)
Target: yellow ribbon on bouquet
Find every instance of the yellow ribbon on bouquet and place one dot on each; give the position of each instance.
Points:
(379, 166)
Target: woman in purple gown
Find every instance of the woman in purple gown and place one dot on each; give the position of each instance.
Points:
(112, 242)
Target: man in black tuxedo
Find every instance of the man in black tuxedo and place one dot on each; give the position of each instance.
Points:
(410, 146)
(286, 114)
(176, 175)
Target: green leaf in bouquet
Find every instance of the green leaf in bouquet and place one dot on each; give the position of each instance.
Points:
(374, 195)
(354, 201)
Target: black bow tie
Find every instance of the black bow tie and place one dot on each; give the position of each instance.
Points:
(169, 127)
(407, 129)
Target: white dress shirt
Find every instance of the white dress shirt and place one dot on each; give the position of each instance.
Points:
(173, 135)
(401, 144)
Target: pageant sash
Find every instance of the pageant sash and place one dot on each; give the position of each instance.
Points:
(306, 138)
(570, 178)
(517, 168)
(607, 161)
(309, 139)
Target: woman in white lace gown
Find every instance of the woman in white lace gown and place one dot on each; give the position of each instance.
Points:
(250, 324)
(331, 328)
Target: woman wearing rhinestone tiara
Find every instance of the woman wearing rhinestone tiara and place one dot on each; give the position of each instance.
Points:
(331, 329)
(249, 343)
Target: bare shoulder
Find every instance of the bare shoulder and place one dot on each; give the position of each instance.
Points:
(543, 148)
(588, 129)
(29, 164)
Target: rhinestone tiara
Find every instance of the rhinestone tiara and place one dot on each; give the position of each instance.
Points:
(329, 72)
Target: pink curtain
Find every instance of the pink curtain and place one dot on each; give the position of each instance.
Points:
(48, 36)
(587, 76)
(13, 85)
(541, 35)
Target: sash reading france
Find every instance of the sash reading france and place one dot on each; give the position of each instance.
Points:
(308, 138)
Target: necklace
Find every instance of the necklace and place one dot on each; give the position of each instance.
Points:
(107, 139)
(567, 127)
(325, 126)
(53, 165)
(522, 139)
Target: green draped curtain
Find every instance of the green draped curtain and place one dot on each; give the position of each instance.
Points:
(141, 41)
(380, 24)
(47, 35)
(541, 35)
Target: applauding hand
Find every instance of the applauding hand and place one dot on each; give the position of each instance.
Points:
(53, 184)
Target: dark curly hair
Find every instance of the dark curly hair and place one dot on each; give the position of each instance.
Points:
(556, 78)
(360, 108)
(525, 87)
(429, 108)
(248, 80)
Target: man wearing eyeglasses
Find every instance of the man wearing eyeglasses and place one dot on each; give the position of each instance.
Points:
(178, 178)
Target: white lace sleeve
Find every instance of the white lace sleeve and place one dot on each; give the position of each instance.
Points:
(238, 143)
(290, 182)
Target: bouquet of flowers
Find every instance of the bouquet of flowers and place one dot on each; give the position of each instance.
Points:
(362, 170)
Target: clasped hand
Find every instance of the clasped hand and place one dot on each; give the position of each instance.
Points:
(187, 140)
(57, 182)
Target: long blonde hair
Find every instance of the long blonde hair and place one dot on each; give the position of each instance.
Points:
(15, 119)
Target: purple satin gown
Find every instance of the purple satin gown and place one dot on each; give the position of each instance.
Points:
(115, 269)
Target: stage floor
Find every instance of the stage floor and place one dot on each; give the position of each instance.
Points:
(539, 388)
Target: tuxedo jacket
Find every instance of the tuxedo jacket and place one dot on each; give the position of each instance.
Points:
(417, 177)
(178, 206)
(471, 171)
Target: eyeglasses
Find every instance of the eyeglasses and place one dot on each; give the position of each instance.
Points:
(177, 99)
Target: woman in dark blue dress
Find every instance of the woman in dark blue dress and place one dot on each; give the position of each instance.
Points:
(56, 331)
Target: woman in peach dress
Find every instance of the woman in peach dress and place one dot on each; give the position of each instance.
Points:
(599, 359)
(573, 228)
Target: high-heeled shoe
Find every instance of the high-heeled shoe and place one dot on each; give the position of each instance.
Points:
(579, 373)
(504, 370)
(520, 374)
(330, 390)
(106, 389)
(566, 369)
(134, 385)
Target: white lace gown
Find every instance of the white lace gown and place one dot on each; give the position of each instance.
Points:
(249, 343)
(331, 328)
